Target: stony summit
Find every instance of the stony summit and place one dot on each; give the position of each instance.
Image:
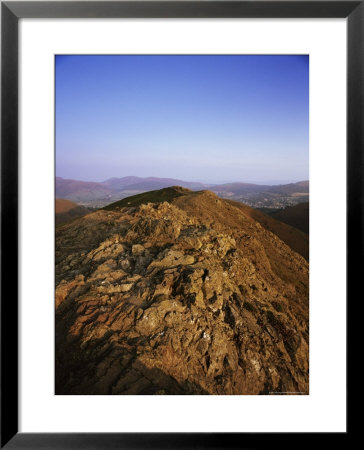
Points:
(179, 292)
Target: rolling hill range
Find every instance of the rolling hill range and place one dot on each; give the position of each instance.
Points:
(179, 292)
(246, 188)
(148, 184)
(264, 196)
(100, 194)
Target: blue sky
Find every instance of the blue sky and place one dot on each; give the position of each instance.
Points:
(200, 118)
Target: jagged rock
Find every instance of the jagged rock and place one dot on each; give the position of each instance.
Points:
(172, 258)
(137, 249)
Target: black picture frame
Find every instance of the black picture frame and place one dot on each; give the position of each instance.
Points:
(11, 12)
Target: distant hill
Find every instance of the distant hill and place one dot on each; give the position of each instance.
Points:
(265, 196)
(258, 196)
(245, 188)
(81, 191)
(239, 188)
(147, 184)
(301, 187)
(297, 216)
(66, 210)
(120, 183)
(100, 194)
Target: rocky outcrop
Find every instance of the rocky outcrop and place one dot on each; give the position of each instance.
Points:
(186, 297)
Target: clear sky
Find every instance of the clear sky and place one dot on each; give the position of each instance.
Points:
(196, 118)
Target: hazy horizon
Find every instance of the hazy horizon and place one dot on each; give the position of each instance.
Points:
(213, 119)
(267, 182)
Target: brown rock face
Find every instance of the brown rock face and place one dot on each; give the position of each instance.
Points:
(186, 297)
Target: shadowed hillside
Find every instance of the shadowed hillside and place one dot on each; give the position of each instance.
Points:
(159, 196)
(67, 210)
(297, 216)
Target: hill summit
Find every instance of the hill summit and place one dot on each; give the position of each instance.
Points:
(179, 292)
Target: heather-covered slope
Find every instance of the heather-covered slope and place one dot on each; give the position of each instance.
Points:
(185, 296)
(297, 216)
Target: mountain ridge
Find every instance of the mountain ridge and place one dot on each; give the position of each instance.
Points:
(186, 296)
(99, 194)
(291, 236)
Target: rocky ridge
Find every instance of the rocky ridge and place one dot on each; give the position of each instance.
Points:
(185, 296)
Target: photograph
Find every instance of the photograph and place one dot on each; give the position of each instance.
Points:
(181, 224)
